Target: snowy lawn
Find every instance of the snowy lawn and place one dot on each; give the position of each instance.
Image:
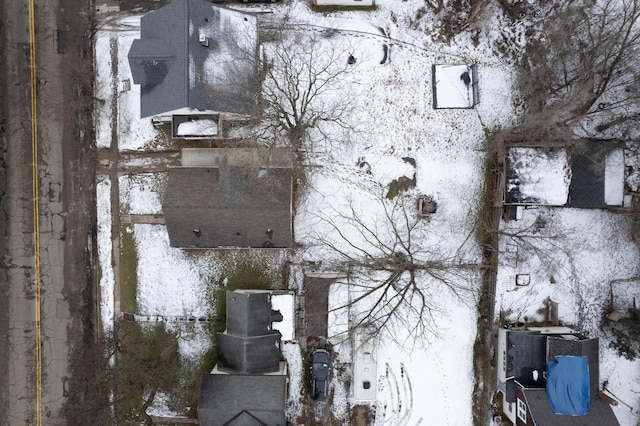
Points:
(112, 45)
(572, 257)
(447, 149)
(426, 381)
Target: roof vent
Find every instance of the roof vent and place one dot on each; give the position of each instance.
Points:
(204, 40)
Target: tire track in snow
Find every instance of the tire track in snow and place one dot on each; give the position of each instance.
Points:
(408, 394)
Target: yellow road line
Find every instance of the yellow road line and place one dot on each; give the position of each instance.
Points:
(36, 220)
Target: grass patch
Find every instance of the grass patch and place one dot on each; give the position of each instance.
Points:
(184, 398)
(128, 270)
(148, 362)
(243, 269)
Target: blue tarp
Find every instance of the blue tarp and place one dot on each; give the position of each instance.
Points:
(568, 385)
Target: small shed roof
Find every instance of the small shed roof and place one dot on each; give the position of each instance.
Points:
(225, 399)
(455, 86)
(229, 206)
(537, 175)
(583, 174)
(194, 54)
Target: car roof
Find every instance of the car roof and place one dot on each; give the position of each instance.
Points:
(320, 355)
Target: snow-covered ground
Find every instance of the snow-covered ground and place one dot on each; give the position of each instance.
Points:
(429, 381)
(573, 257)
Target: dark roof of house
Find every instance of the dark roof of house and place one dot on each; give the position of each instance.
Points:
(588, 347)
(236, 399)
(249, 313)
(228, 206)
(245, 418)
(588, 173)
(249, 345)
(176, 71)
(600, 413)
(249, 355)
(526, 353)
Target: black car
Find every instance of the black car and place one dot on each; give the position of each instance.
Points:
(319, 374)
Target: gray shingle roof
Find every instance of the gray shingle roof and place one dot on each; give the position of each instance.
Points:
(228, 206)
(526, 352)
(587, 188)
(176, 71)
(249, 313)
(249, 345)
(249, 355)
(224, 397)
(600, 413)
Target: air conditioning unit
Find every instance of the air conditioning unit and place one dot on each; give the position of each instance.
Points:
(204, 40)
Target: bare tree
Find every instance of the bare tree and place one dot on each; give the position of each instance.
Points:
(305, 88)
(394, 272)
(581, 76)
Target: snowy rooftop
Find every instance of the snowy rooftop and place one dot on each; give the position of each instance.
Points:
(453, 86)
(537, 176)
(584, 174)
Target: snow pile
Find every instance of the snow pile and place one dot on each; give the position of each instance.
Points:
(614, 178)
(142, 193)
(197, 128)
(105, 252)
(295, 402)
(284, 303)
(104, 82)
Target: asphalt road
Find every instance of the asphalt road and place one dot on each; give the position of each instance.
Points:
(66, 214)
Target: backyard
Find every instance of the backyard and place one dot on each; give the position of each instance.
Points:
(360, 176)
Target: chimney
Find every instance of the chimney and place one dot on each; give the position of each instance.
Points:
(204, 40)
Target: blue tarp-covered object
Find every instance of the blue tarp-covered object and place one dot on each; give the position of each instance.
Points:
(568, 385)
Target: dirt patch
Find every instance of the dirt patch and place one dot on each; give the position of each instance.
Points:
(362, 415)
(316, 305)
(485, 380)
